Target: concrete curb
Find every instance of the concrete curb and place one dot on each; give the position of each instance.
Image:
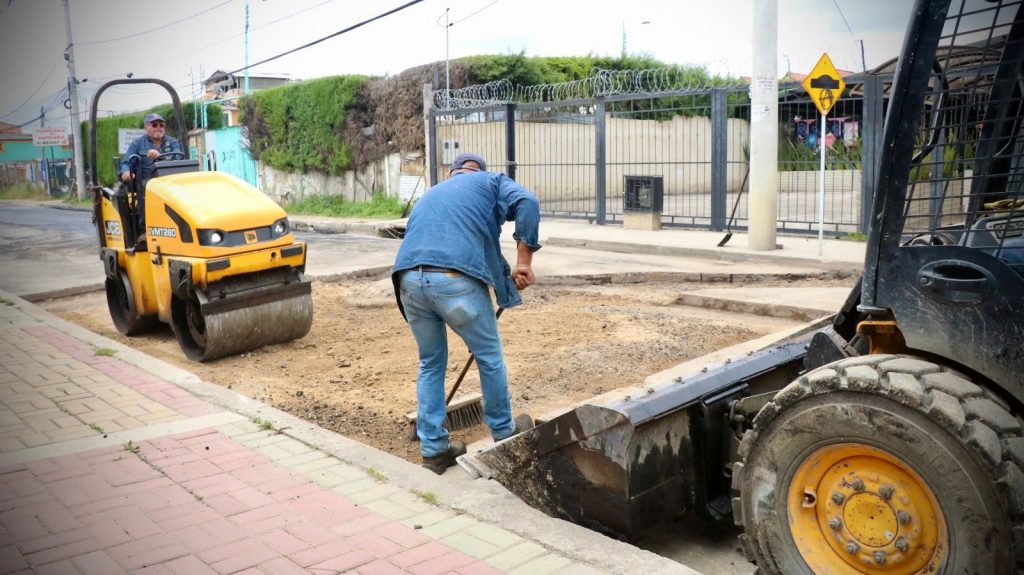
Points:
(63, 292)
(706, 253)
(486, 501)
(753, 308)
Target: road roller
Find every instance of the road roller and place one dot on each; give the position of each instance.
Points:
(208, 254)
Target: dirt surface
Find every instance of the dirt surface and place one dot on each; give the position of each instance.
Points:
(355, 373)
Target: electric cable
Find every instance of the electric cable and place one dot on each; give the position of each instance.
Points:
(158, 28)
(329, 36)
(34, 92)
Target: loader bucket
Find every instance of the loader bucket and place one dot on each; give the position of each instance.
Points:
(628, 461)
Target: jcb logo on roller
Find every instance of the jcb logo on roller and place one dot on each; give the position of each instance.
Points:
(113, 227)
(250, 236)
(163, 232)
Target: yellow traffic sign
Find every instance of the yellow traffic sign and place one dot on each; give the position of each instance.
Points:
(824, 84)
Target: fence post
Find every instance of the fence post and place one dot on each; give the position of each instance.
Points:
(510, 140)
(600, 180)
(719, 157)
(432, 148)
(871, 147)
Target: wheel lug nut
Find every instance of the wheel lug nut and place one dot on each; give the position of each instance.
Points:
(879, 557)
(903, 517)
(902, 545)
(838, 498)
(835, 523)
(858, 484)
(852, 548)
(886, 492)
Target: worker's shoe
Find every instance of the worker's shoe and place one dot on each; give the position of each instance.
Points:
(439, 463)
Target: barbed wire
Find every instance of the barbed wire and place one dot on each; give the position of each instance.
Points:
(601, 83)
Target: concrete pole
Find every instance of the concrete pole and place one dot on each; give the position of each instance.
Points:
(76, 126)
(763, 208)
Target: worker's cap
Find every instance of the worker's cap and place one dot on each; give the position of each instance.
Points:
(153, 118)
(461, 159)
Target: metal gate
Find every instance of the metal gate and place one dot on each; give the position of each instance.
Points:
(231, 154)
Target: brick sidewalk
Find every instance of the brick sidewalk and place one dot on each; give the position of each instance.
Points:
(106, 468)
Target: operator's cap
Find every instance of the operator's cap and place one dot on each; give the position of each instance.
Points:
(461, 159)
(153, 118)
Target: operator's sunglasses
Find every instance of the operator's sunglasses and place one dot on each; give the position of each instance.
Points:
(157, 124)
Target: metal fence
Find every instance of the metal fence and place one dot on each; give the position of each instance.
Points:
(581, 155)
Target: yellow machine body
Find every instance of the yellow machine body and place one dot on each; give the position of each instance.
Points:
(215, 251)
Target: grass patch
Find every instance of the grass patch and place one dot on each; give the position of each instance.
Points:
(264, 424)
(131, 447)
(380, 207)
(376, 474)
(71, 199)
(23, 192)
(6, 301)
(96, 428)
(854, 237)
(105, 351)
(427, 496)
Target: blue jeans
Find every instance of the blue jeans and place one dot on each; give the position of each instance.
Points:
(433, 300)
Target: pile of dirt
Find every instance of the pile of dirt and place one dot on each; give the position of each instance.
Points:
(355, 373)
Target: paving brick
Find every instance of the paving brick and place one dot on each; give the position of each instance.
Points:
(344, 562)
(419, 554)
(470, 545)
(390, 509)
(431, 517)
(57, 568)
(478, 568)
(449, 526)
(516, 555)
(63, 552)
(580, 569)
(444, 564)
(312, 534)
(283, 542)
(379, 567)
(109, 533)
(284, 566)
(542, 565)
(376, 544)
(379, 491)
(405, 536)
(188, 565)
(496, 535)
(11, 559)
(96, 562)
(148, 551)
(321, 553)
(368, 522)
(255, 554)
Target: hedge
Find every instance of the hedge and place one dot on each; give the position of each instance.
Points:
(106, 133)
(300, 127)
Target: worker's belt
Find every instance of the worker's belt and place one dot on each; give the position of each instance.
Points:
(439, 270)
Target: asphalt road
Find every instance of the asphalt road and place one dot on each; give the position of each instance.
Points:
(48, 251)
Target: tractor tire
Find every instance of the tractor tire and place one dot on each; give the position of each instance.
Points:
(882, 464)
(121, 304)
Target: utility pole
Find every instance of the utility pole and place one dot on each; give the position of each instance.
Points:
(76, 129)
(762, 212)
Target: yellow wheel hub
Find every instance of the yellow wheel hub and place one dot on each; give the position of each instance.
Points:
(855, 509)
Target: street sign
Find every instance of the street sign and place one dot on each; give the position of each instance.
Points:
(125, 137)
(50, 136)
(824, 85)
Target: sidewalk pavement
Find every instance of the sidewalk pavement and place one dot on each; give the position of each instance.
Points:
(115, 462)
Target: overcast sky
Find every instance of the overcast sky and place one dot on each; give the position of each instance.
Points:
(178, 40)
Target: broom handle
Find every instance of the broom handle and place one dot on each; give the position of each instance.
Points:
(736, 204)
(465, 368)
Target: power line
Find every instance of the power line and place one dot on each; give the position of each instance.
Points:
(474, 13)
(328, 37)
(161, 27)
(843, 16)
(34, 92)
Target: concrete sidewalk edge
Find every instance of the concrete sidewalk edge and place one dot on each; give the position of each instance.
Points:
(486, 501)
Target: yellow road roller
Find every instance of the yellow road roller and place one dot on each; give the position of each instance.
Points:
(209, 254)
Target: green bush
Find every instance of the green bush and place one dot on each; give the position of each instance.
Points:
(106, 133)
(299, 127)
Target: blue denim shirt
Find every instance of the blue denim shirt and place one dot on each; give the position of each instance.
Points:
(143, 144)
(457, 223)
